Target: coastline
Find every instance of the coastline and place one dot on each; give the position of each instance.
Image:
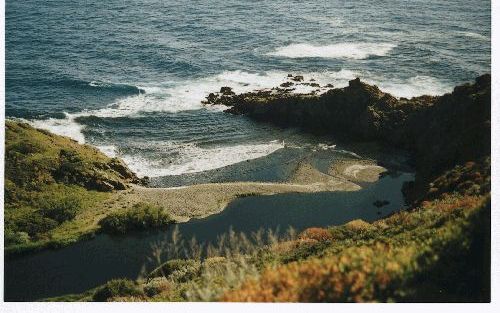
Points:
(455, 203)
(181, 203)
(202, 200)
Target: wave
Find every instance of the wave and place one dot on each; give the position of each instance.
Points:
(119, 88)
(186, 157)
(191, 158)
(65, 127)
(188, 95)
(473, 35)
(93, 85)
(414, 86)
(346, 50)
(109, 150)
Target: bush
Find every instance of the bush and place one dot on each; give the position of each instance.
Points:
(157, 286)
(316, 233)
(356, 275)
(60, 208)
(140, 217)
(15, 238)
(27, 146)
(117, 288)
(178, 270)
(34, 224)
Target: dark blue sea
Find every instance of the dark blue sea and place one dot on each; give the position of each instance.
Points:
(129, 76)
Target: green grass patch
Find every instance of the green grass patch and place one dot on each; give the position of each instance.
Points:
(141, 216)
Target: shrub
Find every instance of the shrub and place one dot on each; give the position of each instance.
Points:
(117, 288)
(27, 146)
(178, 270)
(316, 233)
(357, 275)
(140, 217)
(15, 238)
(158, 285)
(215, 265)
(34, 224)
(60, 208)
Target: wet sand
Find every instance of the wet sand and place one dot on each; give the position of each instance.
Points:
(357, 170)
(197, 201)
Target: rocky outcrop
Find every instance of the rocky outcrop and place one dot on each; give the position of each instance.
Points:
(35, 158)
(441, 132)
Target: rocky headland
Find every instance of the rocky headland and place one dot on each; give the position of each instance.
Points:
(440, 132)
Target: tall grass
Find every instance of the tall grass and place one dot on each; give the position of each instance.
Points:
(202, 271)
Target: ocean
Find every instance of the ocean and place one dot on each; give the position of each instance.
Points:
(129, 76)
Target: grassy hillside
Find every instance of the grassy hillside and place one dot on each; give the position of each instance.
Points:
(56, 190)
(437, 251)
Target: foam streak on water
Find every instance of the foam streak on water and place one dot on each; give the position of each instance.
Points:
(194, 159)
(334, 51)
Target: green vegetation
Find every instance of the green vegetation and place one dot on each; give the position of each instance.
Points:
(117, 288)
(181, 270)
(140, 217)
(438, 251)
(55, 188)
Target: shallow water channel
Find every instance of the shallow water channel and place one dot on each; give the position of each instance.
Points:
(87, 264)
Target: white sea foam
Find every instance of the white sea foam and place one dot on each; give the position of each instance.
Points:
(347, 50)
(188, 95)
(65, 127)
(190, 158)
(96, 83)
(109, 150)
(413, 87)
(193, 159)
(325, 147)
(473, 35)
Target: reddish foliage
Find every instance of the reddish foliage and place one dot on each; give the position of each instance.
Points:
(316, 233)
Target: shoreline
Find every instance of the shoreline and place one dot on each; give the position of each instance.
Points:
(186, 202)
(201, 200)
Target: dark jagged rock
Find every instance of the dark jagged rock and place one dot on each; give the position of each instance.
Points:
(311, 84)
(441, 132)
(286, 84)
(118, 166)
(298, 78)
(227, 91)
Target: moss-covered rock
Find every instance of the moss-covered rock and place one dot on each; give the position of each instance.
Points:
(50, 181)
(35, 157)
